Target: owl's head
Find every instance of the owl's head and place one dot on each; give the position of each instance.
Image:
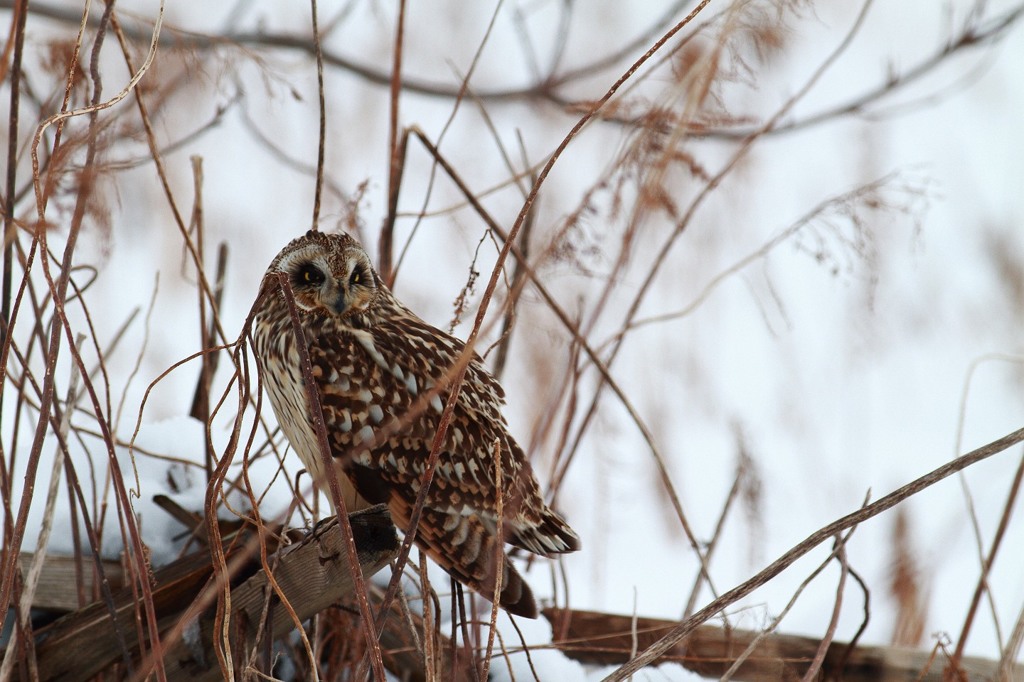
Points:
(329, 274)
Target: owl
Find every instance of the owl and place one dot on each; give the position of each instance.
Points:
(383, 377)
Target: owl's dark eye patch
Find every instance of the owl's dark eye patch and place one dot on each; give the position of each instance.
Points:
(357, 276)
(308, 275)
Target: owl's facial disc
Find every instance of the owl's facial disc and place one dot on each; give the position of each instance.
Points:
(329, 281)
(310, 281)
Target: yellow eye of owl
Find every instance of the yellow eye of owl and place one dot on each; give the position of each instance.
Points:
(356, 278)
(309, 275)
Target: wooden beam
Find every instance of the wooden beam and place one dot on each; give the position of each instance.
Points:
(312, 573)
(609, 639)
(58, 580)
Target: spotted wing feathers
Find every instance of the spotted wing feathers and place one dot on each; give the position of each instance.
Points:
(383, 390)
(470, 552)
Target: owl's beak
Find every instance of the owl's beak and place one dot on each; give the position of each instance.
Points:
(340, 304)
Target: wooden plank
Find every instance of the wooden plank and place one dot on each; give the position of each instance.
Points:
(58, 582)
(609, 639)
(312, 575)
(87, 641)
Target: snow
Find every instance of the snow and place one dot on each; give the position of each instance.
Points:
(841, 378)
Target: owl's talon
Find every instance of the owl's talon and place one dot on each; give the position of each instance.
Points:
(322, 526)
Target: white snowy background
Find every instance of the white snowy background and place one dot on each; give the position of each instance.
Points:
(842, 376)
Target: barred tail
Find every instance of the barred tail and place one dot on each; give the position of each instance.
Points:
(465, 548)
(549, 535)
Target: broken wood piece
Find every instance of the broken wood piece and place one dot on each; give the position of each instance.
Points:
(312, 574)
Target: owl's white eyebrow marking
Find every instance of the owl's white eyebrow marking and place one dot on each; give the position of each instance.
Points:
(310, 254)
(351, 264)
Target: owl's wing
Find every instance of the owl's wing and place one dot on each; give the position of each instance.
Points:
(382, 407)
(378, 388)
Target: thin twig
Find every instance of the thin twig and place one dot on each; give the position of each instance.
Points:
(396, 152)
(31, 580)
(851, 646)
(463, 90)
(547, 88)
(499, 558)
(508, 241)
(58, 291)
(368, 623)
(765, 633)
(986, 567)
(826, 641)
(1012, 649)
(18, 25)
(157, 158)
(431, 658)
(742, 464)
(813, 540)
(322, 138)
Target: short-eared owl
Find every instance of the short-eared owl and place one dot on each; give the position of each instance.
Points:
(373, 361)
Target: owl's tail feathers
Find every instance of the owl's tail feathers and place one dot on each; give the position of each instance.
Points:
(549, 534)
(465, 548)
(516, 596)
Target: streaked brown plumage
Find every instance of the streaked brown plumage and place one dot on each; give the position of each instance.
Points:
(373, 360)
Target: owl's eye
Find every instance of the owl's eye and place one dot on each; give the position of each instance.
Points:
(309, 275)
(356, 277)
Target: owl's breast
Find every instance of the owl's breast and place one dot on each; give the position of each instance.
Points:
(281, 376)
(359, 392)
